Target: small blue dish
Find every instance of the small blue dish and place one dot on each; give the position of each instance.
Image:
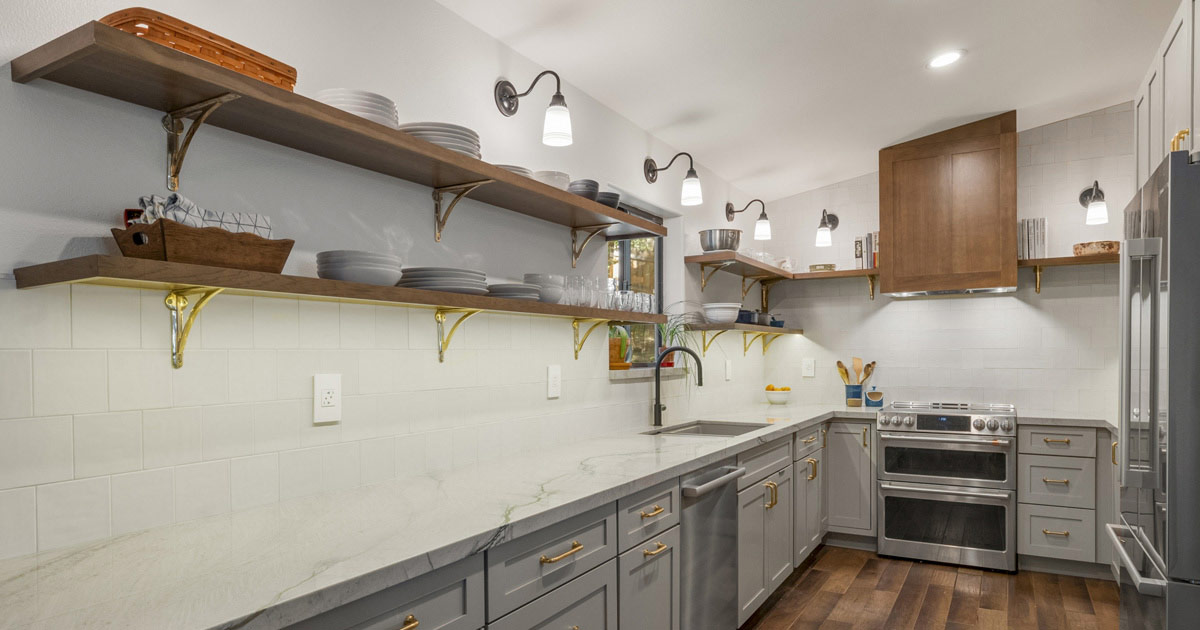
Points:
(874, 398)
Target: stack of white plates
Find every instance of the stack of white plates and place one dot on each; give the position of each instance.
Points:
(516, 291)
(368, 105)
(355, 266)
(519, 170)
(446, 135)
(446, 279)
(557, 179)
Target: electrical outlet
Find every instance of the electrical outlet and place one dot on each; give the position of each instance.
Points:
(553, 381)
(808, 368)
(728, 370)
(327, 398)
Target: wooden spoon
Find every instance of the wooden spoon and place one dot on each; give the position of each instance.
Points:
(845, 374)
(867, 371)
(858, 364)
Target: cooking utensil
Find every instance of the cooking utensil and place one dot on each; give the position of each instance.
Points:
(714, 240)
(867, 372)
(845, 374)
(858, 364)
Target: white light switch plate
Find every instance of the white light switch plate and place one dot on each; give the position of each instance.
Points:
(728, 370)
(553, 381)
(808, 368)
(327, 398)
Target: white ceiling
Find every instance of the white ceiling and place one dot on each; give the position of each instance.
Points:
(782, 96)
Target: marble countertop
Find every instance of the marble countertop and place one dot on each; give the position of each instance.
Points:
(270, 567)
(1064, 421)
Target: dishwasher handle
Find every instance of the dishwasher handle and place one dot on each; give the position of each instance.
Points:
(1144, 585)
(691, 490)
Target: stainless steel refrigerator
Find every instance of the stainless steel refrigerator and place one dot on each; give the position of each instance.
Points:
(1157, 542)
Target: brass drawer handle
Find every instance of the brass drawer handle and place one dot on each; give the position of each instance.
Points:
(1054, 533)
(576, 547)
(1066, 441)
(1065, 482)
(1114, 454)
(658, 509)
(410, 622)
(774, 488)
(812, 468)
(865, 429)
(810, 440)
(646, 553)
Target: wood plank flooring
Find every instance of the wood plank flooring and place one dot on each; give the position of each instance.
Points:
(845, 589)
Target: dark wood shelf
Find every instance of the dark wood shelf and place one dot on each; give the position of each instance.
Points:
(839, 273)
(739, 265)
(755, 328)
(103, 60)
(1067, 261)
(119, 271)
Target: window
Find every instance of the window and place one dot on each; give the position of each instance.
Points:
(635, 264)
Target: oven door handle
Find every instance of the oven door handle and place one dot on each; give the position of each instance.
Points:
(946, 440)
(1144, 585)
(957, 493)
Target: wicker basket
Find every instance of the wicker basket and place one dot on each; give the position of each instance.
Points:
(171, 241)
(197, 42)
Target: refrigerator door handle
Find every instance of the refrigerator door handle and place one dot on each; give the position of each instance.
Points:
(1135, 253)
(1144, 585)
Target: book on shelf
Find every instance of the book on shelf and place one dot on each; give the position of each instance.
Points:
(1031, 238)
(858, 253)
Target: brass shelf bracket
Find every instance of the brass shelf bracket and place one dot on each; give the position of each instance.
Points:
(746, 287)
(459, 191)
(592, 231)
(176, 302)
(444, 337)
(712, 268)
(706, 342)
(871, 286)
(579, 341)
(179, 136)
(748, 339)
(1037, 279)
(765, 285)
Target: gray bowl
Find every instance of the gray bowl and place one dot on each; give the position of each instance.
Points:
(716, 240)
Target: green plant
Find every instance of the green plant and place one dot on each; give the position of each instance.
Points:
(620, 332)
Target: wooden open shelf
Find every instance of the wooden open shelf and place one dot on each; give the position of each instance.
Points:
(840, 273)
(739, 265)
(750, 334)
(1067, 261)
(103, 60)
(773, 330)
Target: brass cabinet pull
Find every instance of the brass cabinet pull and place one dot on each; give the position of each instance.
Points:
(1066, 441)
(410, 622)
(810, 440)
(658, 509)
(1114, 454)
(659, 548)
(1065, 482)
(774, 488)
(865, 429)
(812, 468)
(1054, 533)
(576, 547)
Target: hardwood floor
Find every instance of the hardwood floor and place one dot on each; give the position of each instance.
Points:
(847, 588)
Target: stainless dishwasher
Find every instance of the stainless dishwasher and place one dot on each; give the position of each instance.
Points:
(708, 563)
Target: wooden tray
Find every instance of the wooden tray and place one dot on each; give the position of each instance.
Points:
(171, 241)
(197, 42)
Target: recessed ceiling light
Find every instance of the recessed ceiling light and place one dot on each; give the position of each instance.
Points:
(946, 59)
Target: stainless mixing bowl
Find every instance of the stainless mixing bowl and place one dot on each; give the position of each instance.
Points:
(713, 240)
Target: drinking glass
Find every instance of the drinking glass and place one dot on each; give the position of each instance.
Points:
(574, 294)
(599, 289)
(625, 300)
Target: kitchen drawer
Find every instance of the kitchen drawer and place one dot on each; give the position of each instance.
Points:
(764, 460)
(1076, 540)
(450, 598)
(647, 513)
(587, 603)
(1060, 481)
(1057, 441)
(808, 441)
(648, 585)
(521, 570)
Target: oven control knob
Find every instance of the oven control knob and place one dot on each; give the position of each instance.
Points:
(978, 423)
(1006, 424)
(993, 424)
(888, 420)
(908, 421)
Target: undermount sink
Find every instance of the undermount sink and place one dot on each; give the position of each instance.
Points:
(708, 427)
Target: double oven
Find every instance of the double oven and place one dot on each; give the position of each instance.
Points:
(947, 476)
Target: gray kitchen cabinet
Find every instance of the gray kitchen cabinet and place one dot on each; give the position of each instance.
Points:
(588, 602)
(450, 598)
(648, 583)
(1166, 101)
(647, 513)
(765, 539)
(809, 480)
(851, 473)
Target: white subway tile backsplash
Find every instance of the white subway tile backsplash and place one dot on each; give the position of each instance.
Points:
(35, 451)
(16, 384)
(319, 324)
(38, 318)
(276, 323)
(253, 375)
(277, 424)
(229, 322)
(18, 521)
(391, 327)
(69, 381)
(203, 379)
(357, 325)
(138, 379)
(171, 437)
(107, 443)
(72, 512)
(378, 460)
(301, 472)
(342, 466)
(142, 500)
(227, 431)
(105, 317)
(202, 490)
(254, 481)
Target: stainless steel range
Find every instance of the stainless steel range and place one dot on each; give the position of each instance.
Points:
(948, 483)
